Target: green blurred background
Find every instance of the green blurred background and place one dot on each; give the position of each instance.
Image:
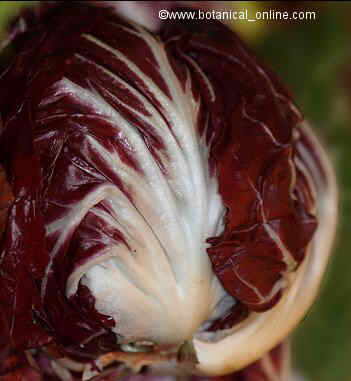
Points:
(314, 60)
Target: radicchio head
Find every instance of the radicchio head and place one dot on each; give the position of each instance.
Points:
(169, 207)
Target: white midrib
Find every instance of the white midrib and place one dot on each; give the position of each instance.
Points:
(164, 288)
